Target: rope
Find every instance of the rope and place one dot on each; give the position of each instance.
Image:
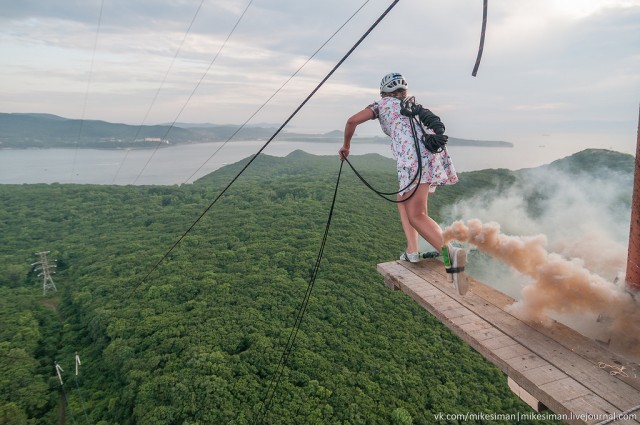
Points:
(481, 47)
(277, 91)
(86, 93)
(616, 370)
(384, 195)
(273, 385)
(293, 114)
(155, 97)
(66, 400)
(86, 417)
(194, 90)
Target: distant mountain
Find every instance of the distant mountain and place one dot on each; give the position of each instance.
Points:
(47, 131)
(595, 161)
(51, 131)
(36, 130)
(209, 125)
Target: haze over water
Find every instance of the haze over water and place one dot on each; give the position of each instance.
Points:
(176, 164)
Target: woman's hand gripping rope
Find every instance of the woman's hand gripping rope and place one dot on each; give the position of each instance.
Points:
(344, 153)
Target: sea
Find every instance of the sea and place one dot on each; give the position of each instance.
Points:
(182, 164)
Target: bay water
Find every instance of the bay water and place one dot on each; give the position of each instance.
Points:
(186, 163)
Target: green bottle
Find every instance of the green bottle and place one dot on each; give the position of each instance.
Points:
(445, 256)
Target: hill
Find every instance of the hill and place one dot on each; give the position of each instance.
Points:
(198, 338)
(594, 162)
(23, 130)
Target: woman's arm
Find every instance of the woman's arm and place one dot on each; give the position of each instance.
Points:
(350, 128)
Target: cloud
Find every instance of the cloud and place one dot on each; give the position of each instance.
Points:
(540, 65)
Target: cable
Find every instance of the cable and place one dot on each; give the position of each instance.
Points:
(86, 417)
(293, 114)
(86, 93)
(59, 371)
(194, 89)
(384, 195)
(146, 115)
(66, 400)
(481, 47)
(78, 363)
(275, 380)
(277, 91)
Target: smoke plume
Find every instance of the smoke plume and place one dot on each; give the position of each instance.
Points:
(559, 285)
(571, 249)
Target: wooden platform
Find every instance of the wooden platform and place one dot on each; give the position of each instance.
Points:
(554, 367)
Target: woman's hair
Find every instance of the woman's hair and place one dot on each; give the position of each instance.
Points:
(398, 94)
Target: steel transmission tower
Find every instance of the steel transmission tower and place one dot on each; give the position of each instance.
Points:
(45, 271)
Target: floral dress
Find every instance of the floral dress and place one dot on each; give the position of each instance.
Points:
(437, 168)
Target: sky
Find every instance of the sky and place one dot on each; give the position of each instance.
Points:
(552, 72)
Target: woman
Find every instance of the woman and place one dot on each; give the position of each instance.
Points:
(437, 170)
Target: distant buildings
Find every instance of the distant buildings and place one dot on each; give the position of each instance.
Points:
(155, 140)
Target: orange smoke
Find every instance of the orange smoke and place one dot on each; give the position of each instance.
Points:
(560, 285)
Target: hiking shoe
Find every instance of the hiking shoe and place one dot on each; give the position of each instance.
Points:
(455, 260)
(412, 257)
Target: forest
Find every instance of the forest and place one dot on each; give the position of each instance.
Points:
(194, 334)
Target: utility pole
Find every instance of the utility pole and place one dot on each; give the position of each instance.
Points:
(633, 260)
(59, 371)
(45, 267)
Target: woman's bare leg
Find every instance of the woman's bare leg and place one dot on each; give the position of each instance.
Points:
(409, 232)
(416, 211)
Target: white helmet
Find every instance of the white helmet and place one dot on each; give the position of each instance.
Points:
(392, 82)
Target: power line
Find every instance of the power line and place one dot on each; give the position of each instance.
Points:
(194, 89)
(59, 371)
(273, 385)
(253, 158)
(278, 90)
(155, 97)
(78, 364)
(86, 93)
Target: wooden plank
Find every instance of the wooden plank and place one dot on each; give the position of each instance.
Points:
(565, 379)
(577, 343)
(565, 389)
(474, 330)
(527, 362)
(499, 342)
(598, 410)
(616, 390)
(513, 351)
(542, 374)
(525, 396)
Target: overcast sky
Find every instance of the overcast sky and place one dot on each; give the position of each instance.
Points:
(553, 71)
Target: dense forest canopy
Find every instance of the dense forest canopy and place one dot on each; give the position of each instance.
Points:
(197, 339)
